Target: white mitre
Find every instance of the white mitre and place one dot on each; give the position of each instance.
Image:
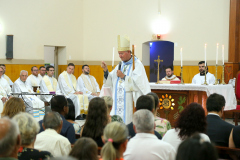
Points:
(123, 43)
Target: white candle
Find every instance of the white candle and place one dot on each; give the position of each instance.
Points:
(113, 58)
(223, 54)
(181, 56)
(217, 55)
(205, 50)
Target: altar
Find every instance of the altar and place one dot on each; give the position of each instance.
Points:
(174, 97)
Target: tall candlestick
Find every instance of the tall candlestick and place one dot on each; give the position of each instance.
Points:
(223, 54)
(217, 55)
(181, 56)
(113, 58)
(205, 50)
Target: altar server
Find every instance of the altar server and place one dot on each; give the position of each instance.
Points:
(33, 79)
(67, 83)
(127, 85)
(5, 89)
(200, 77)
(32, 102)
(88, 84)
(48, 84)
(5, 76)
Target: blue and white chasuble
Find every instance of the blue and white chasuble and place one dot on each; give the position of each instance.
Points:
(125, 91)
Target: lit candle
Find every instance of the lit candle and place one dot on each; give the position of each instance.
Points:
(113, 58)
(181, 56)
(217, 55)
(223, 54)
(205, 50)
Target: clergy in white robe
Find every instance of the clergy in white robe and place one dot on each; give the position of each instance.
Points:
(5, 89)
(67, 83)
(42, 72)
(33, 104)
(88, 84)
(127, 84)
(169, 75)
(5, 76)
(48, 84)
(33, 79)
(200, 77)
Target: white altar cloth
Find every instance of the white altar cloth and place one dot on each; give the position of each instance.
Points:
(226, 90)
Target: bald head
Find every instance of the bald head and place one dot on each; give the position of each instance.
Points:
(9, 138)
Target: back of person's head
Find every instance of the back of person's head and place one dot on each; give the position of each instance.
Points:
(114, 135)
(195, 148)
(71, 111)
(143, 120)
(58, 103)
(215, 102)
(52, 120)
(191, 120)
(9, 137)
(145, 102)
(28, 127)
(84, 149)
(156, 99)
(109, 101)
(63, 158)
(96, 119)
(13, 106)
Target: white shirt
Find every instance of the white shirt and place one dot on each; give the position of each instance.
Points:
(197, 79)
(10, 81)
(147, 146)
(81, 87)
(172, 138)
(49, 140)
(40, 77)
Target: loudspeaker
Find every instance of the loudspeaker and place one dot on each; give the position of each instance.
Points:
(9, 47)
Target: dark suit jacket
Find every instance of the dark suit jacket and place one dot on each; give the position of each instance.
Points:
(132, 132)
(218, 130)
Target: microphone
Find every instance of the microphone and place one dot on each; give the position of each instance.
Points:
(119, 65)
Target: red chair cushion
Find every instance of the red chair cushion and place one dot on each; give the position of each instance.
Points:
(238, 87)
(238, 107)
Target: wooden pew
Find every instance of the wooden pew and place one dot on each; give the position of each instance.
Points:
(234, 153)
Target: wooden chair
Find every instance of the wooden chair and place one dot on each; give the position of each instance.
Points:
(230, 152)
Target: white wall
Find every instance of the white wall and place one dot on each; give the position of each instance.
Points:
(192, 24)
(35, 23)
(49, 54)
(89, 28)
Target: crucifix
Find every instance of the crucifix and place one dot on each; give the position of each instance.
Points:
(158, 61)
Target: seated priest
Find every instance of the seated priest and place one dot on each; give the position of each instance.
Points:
(200, 77)
(42, 72)
(33, 79)
(33, 104)
(169, 75)
(5, 89)
(67, 83)
(87, 83)
(48, 84)
(5, 76)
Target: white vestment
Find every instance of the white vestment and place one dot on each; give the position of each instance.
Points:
(125, 91)
(67, 83)
(8, 79)
(5, 90)
(40, 77)
(172, 78)
(33, 80)
(48, 84)
(33, 104)
(88, 85)
(197, 79)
